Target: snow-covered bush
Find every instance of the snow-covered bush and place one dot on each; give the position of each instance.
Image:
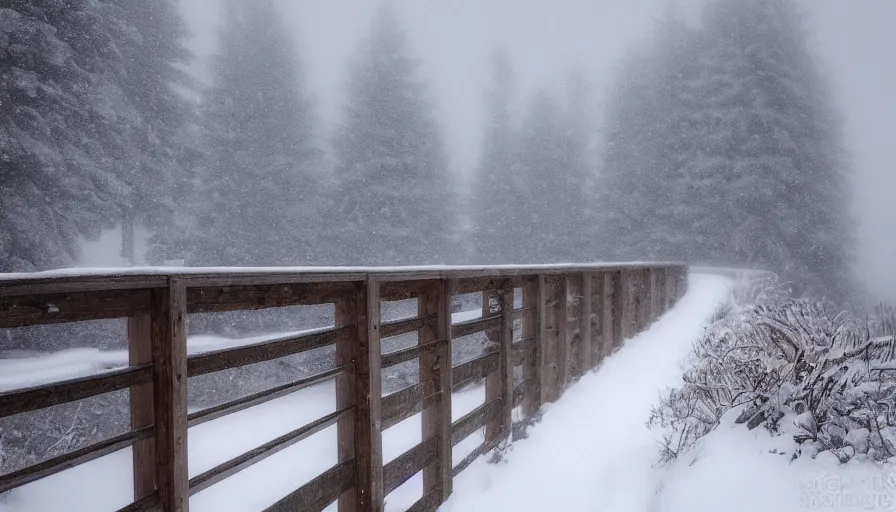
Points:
(794, 368)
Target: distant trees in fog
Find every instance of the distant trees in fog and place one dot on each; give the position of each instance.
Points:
(719, 146)
(722, 148)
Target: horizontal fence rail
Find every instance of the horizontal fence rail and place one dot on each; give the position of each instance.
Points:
(571, 317)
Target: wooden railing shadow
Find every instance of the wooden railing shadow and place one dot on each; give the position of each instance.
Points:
(571, 318)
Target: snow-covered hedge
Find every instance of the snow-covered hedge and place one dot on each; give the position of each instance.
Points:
(795, 368)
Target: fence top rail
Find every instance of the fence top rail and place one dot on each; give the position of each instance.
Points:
(91, 279)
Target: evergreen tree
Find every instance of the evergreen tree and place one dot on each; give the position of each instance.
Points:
(648, 135)
(772, 143)
(55, 181)
(393, 194)
(573, 227)
(495, 189)
(258, 182)
(722, 149)
(151, 78)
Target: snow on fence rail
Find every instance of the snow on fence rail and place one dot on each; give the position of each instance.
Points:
(571, 317)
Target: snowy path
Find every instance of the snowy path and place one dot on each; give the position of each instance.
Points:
(592, 450)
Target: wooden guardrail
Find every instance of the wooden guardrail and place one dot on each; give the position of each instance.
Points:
(571, 318)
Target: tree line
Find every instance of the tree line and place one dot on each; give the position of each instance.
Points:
(718, 145)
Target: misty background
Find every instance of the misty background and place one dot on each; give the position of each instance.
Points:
(455, 40)
(455, 43)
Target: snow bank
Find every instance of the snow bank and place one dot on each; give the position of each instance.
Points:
(737, 470)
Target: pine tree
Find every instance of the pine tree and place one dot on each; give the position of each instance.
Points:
(55, 181)
(541, 185)
(772, 141)
(258, 180)
(643, 208)
(722, 149)
(550, 217)
(573, 226)
(495, 189)
(393, 195)
(151, 78)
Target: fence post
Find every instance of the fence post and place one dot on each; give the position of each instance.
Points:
(586, 347)
(646, 303)
(554, 337)
(368, 399)
(575, 316)
(658, 291)
(533, 300)
(612, 317)
(346, 312)
(499, 383)
(435, 371)
(169, 357)
(141, 406)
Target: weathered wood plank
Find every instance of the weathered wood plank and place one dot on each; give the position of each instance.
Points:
(645, 300)
(533, 300)
(474, 369)
(368, 399)
(69, 460)
(402, 289)
(403, 404)
(657, 291)
(53, 308)
(243, 403)
(586, 338)
(235, 465)
(469, 327)
(207, 299)
(519, 392)
(428, 503)
(141, 405)
(147, 503)
(613, 311)
(400, 469)
(555, 344)
(406, 325)
(598, 317)
(575, 312)
(217, 360)
(484, 283)
(48, 395)
(523, 350)
(169, 356)
(499, 383)
(319, 492)
(474, 420)
(56, 285)
(435, 368)
(628, 303)
(481, 450)
(407, 354)
(346, 314)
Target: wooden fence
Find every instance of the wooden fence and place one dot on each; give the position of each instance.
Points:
(571, 317)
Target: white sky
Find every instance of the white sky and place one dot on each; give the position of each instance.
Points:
(454, 40)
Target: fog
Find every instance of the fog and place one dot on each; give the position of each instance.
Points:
(454, 41)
